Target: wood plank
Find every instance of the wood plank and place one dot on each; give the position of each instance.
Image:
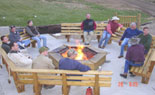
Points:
(90, 72)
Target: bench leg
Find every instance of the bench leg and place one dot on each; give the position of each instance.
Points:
(68, 38)
(82, 38)
(110, 41)
(33, 44)
(20, 88)
(145, 80)
(98, 38)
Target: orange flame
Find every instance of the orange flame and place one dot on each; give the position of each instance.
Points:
(79, 50)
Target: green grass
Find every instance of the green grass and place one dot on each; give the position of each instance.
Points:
(18, 12)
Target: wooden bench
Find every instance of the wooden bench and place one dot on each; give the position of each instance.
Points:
(145, 70)
(69, 29)
(25, 36)
(39, 77)
(127, 20)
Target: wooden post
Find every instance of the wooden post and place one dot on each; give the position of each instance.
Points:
(36, 84)
(138, 20)
(82, 36)
(33, 44)
(98, 38)
(20, 87)
(64, 85)
(68, 37)
(96, 86)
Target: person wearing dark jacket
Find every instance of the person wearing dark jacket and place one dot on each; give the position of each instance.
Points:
(134, 57)
(5, 44)
(129, 33)
(71, 64)
(35, 35)
(15, 37)
(88, 26)
(145, 39)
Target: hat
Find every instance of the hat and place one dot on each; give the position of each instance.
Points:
(115, 18)
(134, 41)
(42, 49)
(71, 52)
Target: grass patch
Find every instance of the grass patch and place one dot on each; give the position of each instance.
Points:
(18, 12)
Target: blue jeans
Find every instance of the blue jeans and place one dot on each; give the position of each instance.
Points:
(130, 63)
(25, 42)
(125, 42)
(105, 36)
(38, 39)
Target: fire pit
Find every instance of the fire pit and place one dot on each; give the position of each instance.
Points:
(87, 55)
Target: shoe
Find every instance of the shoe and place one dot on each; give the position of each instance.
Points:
(99, 46)
(131, 74)
(86, 44)
(49, 86)
(103, 47)
(123, 75)
(120, 56)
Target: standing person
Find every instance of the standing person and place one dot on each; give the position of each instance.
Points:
(134, 57)
(5, 44)
(71, 64)
(88, 26)
(43, 62)
(145, 39)
(35, 35)
(129, 33)
(15, 37)
(20, 59)
(109, 31)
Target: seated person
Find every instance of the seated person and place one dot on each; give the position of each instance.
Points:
(43, 62)
(134, 57)
(20, 59)
(71, 64)
(145, 39)
(35, 35)
(5, 44)
(15, 37)
(88, 26)
(109, 31)
(129, 33)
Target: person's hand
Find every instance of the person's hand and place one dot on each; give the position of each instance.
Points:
(118, 29)
(120, 42)
(20, 39)
(38, 35)
(114, 35)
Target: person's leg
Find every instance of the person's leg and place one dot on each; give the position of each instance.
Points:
(90, 36)
(38, 41)
(128, 64)
(44, 40)
(86, 37)
(26, 42)
(125, 42)
(104, 34)
(107, 39)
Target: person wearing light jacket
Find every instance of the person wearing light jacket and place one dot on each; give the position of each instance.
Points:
(20, 59)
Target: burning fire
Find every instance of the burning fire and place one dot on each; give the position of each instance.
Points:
(80, 53)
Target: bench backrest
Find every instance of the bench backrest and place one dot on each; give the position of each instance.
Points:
(153, 41)
(76, 28)
(126, 20)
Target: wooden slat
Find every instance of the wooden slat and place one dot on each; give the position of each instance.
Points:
(84, 78)
(91, 72)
